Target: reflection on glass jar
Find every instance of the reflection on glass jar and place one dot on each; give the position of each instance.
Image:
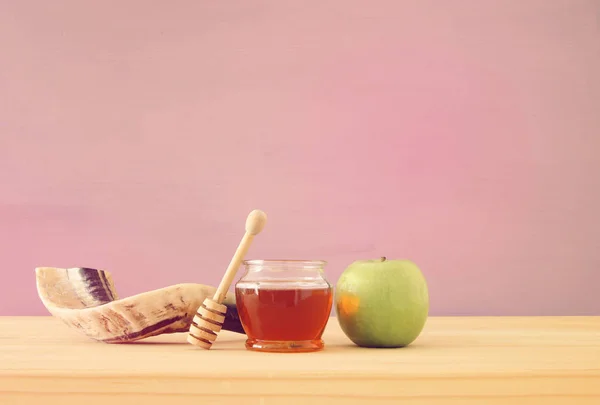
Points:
(284, 305)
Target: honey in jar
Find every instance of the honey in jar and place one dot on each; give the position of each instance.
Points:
(284, 305)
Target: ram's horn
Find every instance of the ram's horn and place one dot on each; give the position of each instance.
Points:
(86, 299)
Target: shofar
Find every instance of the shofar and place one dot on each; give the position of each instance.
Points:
(86, 299)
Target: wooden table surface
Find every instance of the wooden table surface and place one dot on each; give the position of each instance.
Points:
(464, 360)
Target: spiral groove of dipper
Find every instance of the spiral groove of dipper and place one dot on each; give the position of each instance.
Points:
(207, 322)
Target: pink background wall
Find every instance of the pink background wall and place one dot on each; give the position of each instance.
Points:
(464, 135)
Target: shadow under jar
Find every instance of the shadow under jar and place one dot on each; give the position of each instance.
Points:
(284, 305)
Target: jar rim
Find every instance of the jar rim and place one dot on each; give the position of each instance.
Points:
(279, 262)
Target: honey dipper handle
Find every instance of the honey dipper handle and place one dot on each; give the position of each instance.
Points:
(254, 224)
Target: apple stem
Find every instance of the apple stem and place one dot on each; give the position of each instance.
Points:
(383, 258)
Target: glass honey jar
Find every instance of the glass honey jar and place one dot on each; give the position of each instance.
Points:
(284, 305)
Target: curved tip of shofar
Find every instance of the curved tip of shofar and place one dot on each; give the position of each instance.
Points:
(85, 299)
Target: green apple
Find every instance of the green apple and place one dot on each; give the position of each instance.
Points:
(382, 303)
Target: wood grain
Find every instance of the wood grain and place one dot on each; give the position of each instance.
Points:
(470, 360)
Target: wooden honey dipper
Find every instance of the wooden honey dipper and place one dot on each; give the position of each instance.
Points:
(210, 316)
